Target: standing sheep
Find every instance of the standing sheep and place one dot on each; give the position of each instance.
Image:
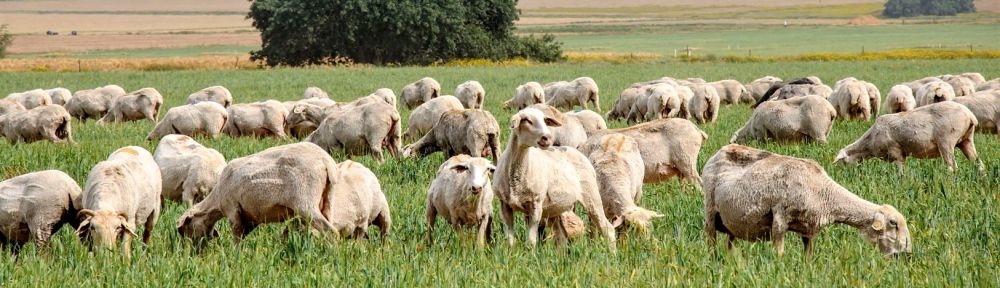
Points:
(202, 118)
(31, 99)
(900, 99)
(60, 96)
(525, 94)
(273, 185)
(934, 92)
(807, 118)
(303, 118)
(121, 192)
(48, 122)
(366, 129)
(669, 147)
(472, 132)
(419, 92)
(989, 85)
(188, 170)
(463, 195)
(754, 195)
(732, 92)
(217, 94)
(357, 201)
(704, 104)
(758, 87)
(10, 106)
(259, 119)
(854, 100)
(929, 131)
(471, 94)
(34, 206)
(314, 92)
(976, 77)
(580, 91)
(986, 107)
(961, 85)
(658, 101)
(621, 107)
(570, 133)
(140, 104)
(620, 170)
(93, 103)
(426, 115)
(591, 121)
(551, 88)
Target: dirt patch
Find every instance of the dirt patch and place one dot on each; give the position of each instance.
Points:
(62, 43)
(865, 20)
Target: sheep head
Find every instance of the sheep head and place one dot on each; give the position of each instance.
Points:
(199, 226)
(888, 230)
(103, 227)
(530, 128)
(636, 217)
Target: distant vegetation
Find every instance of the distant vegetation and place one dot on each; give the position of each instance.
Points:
(5, 39)
(909, 8)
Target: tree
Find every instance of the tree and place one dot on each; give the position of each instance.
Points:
(5, 39)
(303, 32)
(909, 8)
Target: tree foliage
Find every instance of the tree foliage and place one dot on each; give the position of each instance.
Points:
(909, 8)
(5, 39)
(303, 32)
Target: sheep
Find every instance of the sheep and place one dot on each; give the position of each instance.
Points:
(303, 118)
(10, 106)
(120, 192)
(658, 101)
(976, 77)
(202, 118)
(273, 185)
(542, 181)
(732, 91)
(961, 85)
(933, 92)
(47, 122)
(356, 201)
(140, 104)
(260, 119)
(32, 98)
(423, 118)
(988, 85)
(384, 94)
(361, 130)
(321, 102)
(381, 95)
(669, 147)
(580, 91)
(217, 94)
(93, 103)
(855, 99)
(472, 132)
(591, 121)
(758, 87)
(620, 170)
(685, 93)
(703, 106)
(525, 94)
(314, 92)
(188, 170)
(798, 87)
(471, 94)
(916, 84)
(419, 92)
(551, 88)
(463, 195)
(621, 107)
(900, 99)
(807, 118)
(34, 206)
(754, 195)
(929, 131)
(986, 108)
(60, 96)
(570, 133)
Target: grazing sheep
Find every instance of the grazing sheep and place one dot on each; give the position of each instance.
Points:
(900, 99)
(419, 92)
(961, 85)
(469, 131)
(685, 93)
(934, 92)
(755, 195)
(60, 96)
(261, 119)
(188, 170)
(525, 94)
(10, 106)
(217, 94)
(47, 122)
(621, 107)
(732, 92)
(986, 107)
(580, 91)
(321, 102)
(463, 195)
(426, 115)
(620, 171)
(798, 87)
(273, 185)
(989, 85)
(365, 129)
(471, 94)
(570, 133)
(542, 181)
(758, 87)
(929, 131)
(916, 84)
(314, 92)
(141, 104)
(31, 99)
(854, 99)
(976, 77)
(385, 94)
(381, 95)
(696, 80)
(357, 201)
(34, 206)
(303, 118)
(703, 106)
(551, 88)
(120, 193)
(202, 118)
(658, 101)
(669, 147)
(590, 120)
(93, 103)
(807, 118)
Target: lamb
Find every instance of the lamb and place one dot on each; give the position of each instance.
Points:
(362, 130)
(570, 133)
(202, 118)
(188, 170)
(758, 87)
(525, 94)
(961, 85)
(10, 106)
(314, 92)
(426, 115)
(471, 94)
(591, 121)
(259, 119)
(703, 106)
(900, 99)
(986, 108)
(93, 103)
(658, 101)
(120, 192)
(933, 92)
(621, 107)
(60, 96)
(217, 94)
(929, 131)
(620, 170)
(580, 91)
(732, 92)
(542, 181)
(34, 206)
(855, 99)
(807, 118)
(754, 195)
(273, 185)
(472, 132)
(669, 147)
(463, 195)
(31, 99)
(47, 122)
(419, 92)
(140, 104)
(356, 201)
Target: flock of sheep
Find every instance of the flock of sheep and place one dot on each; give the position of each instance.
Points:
(552, 162)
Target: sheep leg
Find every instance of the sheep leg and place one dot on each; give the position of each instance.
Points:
(431, 218)
(318, 222)
(147, 231)
(778, 229)
(383, 222)
(376, 149)
(531, 219)
(507, 215)
(710, 232)
(948, 154)
(42, 233)
(583, 103)
(969, 150)
(591, 201)
(560, 229)
(484, 226)
(807, 245)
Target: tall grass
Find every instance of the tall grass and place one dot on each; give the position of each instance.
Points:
(953, 218)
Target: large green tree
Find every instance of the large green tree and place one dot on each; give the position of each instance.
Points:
(302, 32)
(909, 8)
(5, 39)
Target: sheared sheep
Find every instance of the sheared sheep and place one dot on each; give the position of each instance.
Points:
(188, 170)
(621, 107)
(381, 95)
(303, 119)
(471, 131)
(798, 87)
(34, 206)
(855, 99)
(217, 94)
(989, 85)
(961, 85)
(60, 96)
(525, 94)
(419, 92)
(669, 147)
(900, 99)
(32, 98)
(732, 91)
(260, 119)
(314, 92)
(580, 91)
(47, 122)
(703, 106)
(590, 120)
(976, 77)
(140, 104)
(806, 118)
(934, 92)
(357, 202)
(657, 101)
(365, 129)
(463, 195)
(620, 171)
(570, 133)
(423, 118)
(758, 87)
(755, 195)
(120, 192)
(202, 118)
(986, 107)
(471, 94)
(551, 88)
(10, 106)
(93, 103)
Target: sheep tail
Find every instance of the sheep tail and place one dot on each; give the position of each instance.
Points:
(394, 136)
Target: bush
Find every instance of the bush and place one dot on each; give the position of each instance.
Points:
(909, 8)
(306, 32)
(5, 39)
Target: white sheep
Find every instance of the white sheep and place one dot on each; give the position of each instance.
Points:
(314, 92)
(121, 192)
(590, 120)
(732, 91)
(669, 147)
(658, 101)
(34, 206)
(419, 92)
(796, 119)
(580, 91)
(620, 171)
(60, 96)
(365, 129)
(986, 107)
(703, 106)
(217, 94)
(93, 103)
(357, 202)
(758, 87)
(423, 118)
(471, 94)
(855, 99)
(140, 104)
(961, 85)
(470, 131)
(47, 122)
(621, 107)
(463, 195)
(571, 132)
(32, 98)
(934, 92)
(900, 99)
(260, 119)
(202, 118)
(10, 106)
(188, 170)
(526, 94)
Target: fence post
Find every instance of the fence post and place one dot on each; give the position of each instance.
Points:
(79, 65)
(862, 49)
(749, 53)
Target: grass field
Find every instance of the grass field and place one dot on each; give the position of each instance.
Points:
(954, 220)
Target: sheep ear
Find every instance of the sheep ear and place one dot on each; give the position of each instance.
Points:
(515, 121)
(552, 122)
(879, 223)
(85, 214)
(618, 221)
(84, 228)
(184, 221)
(129, 228)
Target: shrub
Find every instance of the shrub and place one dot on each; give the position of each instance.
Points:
(5, 39)
(909, 8)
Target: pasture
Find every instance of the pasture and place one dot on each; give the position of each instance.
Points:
(954, 219)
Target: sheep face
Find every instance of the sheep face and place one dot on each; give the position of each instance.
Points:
(636, 217)
(196, 226)
(104, 228)
(477, 171)
(888, 230)
(532, 128)
(844, 158)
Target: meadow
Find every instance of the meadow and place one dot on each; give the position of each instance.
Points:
(954, 219)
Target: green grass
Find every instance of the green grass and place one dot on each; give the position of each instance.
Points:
(954, 220)
(843, 11)
(192, 51)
